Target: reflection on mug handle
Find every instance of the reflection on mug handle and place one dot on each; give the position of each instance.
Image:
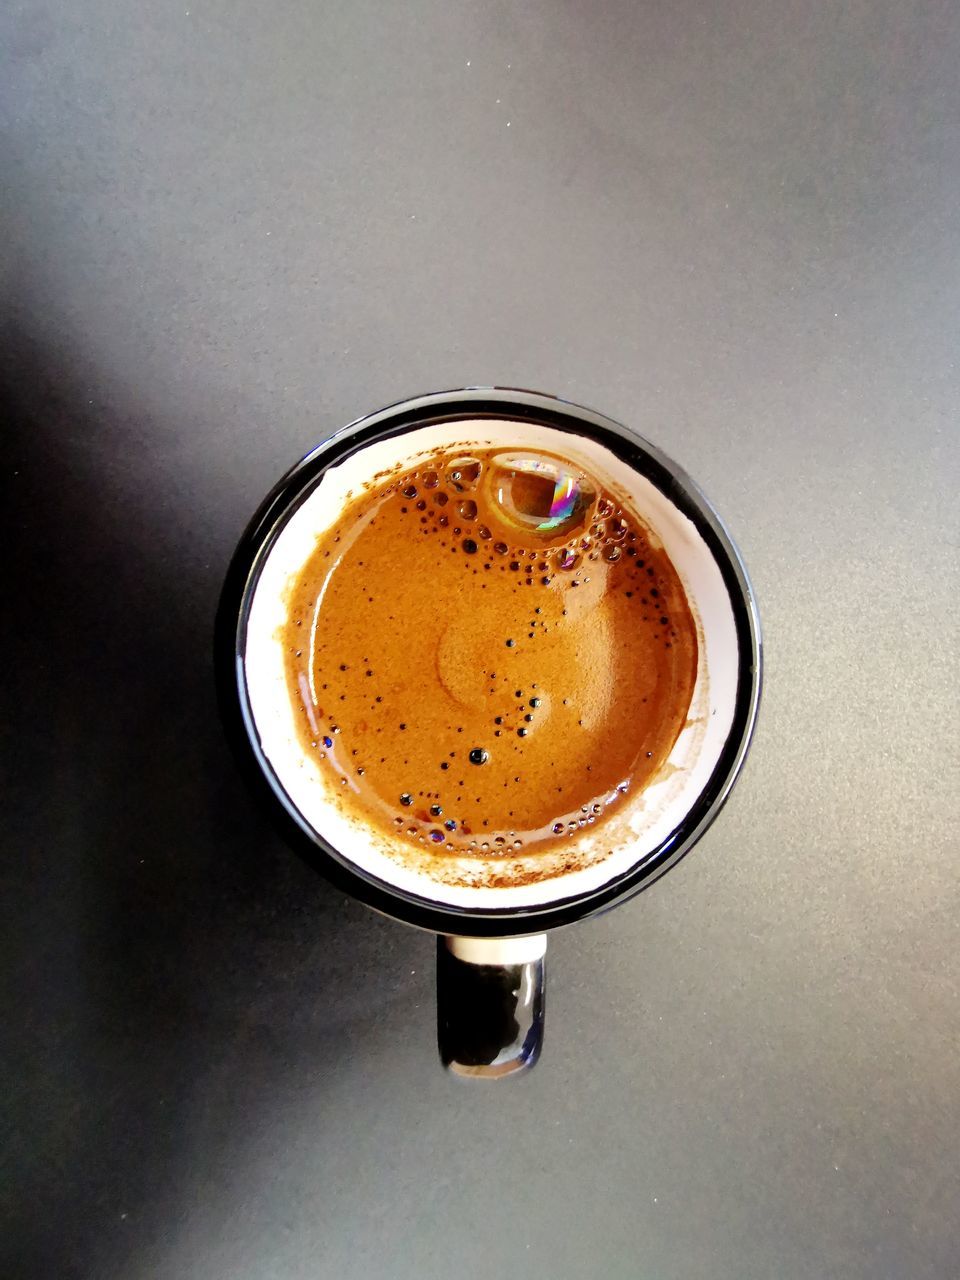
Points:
(490, 1004)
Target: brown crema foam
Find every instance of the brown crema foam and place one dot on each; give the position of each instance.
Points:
(488, 654)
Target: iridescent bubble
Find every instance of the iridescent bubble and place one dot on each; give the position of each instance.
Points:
(539, 494)
(437, 836)
(464, 473)
(568, 559)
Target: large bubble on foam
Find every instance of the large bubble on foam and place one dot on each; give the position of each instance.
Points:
(539, 494)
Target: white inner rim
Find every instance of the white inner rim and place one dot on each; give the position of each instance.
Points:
(644, 821)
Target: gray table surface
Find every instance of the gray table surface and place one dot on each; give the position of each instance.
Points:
(231, 227)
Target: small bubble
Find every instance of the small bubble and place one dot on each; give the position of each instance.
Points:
(534, 702)
(479, 756)
(510, 644)
(557, 828)
(450, 824)
(467, 509)
(501, 548)
(469, 546)
(484, 533)
(611, 554)
(436, 810)
(521, 733)
(430, 479)
(617, 528)
(406, 799)
(568, 559)
(514, 565)
(437, 836)
(464, 473)
(410, 491)
(604, 508)
(328, 742)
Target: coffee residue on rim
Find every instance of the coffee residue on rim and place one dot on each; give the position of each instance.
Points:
(488, 654)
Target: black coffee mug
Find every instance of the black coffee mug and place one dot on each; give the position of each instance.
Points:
(491, 940)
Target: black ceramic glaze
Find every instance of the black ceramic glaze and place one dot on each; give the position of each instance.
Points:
(489, 1016)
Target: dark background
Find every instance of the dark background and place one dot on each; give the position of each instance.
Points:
(230, 227)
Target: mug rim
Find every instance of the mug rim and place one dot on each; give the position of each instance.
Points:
(243, 576)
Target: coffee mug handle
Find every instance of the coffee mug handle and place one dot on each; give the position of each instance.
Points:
(490, 1004)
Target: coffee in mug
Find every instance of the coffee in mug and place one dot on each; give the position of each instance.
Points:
(489, 653)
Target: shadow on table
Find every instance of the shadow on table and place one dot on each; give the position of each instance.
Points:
(171, 960)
